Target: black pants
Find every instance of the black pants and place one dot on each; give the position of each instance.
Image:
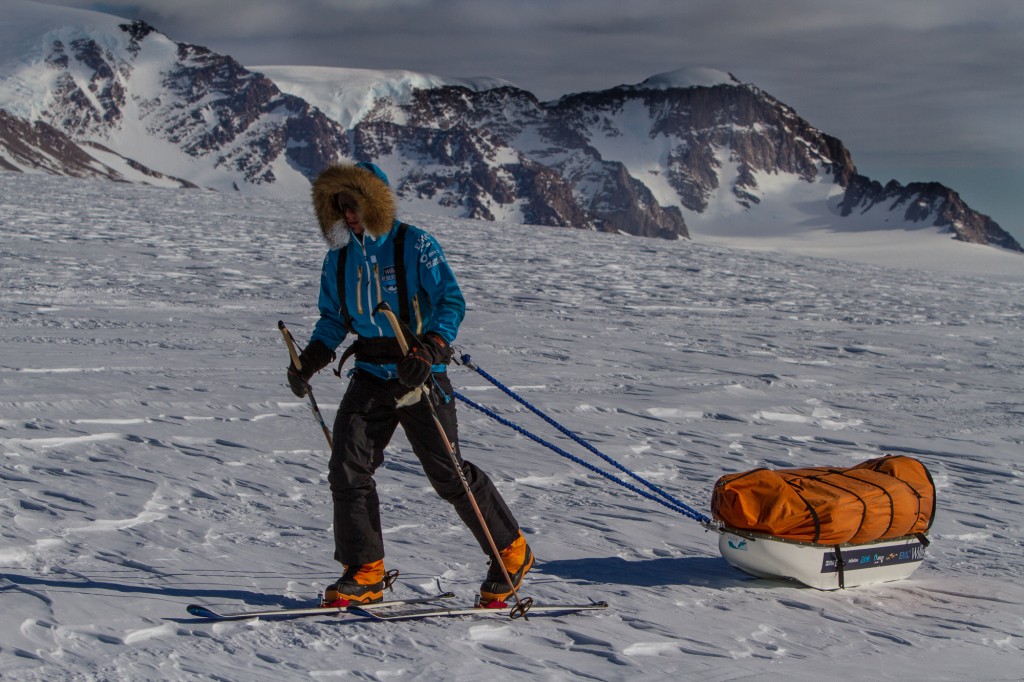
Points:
(363, 427)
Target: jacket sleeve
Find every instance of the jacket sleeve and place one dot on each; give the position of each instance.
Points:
(437, 280)
(330, 328)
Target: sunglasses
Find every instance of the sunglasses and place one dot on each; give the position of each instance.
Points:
(346, 203)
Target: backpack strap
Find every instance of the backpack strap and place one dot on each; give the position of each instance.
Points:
(403, 290)
(346, 318)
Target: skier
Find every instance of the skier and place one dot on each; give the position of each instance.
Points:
(355, 208)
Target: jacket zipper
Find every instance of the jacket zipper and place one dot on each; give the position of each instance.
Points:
(369, 258)
(376, 276)
(416, 312)
(359, 289)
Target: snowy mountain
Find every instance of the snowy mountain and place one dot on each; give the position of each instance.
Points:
(690, 152)
(128, 96)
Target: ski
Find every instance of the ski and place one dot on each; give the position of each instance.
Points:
(414, 611)
(207, 613)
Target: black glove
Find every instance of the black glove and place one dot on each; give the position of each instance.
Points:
(314, 358)
(414, 368)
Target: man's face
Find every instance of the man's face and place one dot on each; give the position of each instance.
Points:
(347, 206)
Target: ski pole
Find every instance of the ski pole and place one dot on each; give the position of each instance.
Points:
(522, 605)
(290, 342)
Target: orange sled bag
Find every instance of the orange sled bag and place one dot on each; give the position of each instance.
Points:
(881, 499)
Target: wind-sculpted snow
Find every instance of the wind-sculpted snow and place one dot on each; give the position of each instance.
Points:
(151, 454)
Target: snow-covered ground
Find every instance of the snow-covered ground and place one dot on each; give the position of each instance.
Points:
(151, 454)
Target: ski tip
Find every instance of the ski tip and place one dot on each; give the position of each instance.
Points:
(200, 611)
(280, 324)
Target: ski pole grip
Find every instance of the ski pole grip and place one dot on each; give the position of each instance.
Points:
(396, 327)
(288, 341)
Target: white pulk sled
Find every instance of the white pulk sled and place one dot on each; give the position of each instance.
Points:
(822, 567)
(828, 528)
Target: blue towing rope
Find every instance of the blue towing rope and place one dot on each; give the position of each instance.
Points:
(661, 497)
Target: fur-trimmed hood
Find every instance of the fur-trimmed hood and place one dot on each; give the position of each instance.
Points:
(367, 188)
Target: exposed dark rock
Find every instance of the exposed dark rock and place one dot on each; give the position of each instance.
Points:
(489, 154)
(926, 204)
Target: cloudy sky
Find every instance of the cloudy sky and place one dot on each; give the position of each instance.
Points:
(918, 90)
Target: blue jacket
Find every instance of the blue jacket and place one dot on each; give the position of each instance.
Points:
(436, 302)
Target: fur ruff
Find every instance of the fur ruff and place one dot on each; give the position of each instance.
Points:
(375, 202)
(338, 236)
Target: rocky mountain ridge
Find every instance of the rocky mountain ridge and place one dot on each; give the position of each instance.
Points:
(120, 100)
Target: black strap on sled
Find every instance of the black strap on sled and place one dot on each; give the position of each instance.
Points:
(403, 293)
(840, 565)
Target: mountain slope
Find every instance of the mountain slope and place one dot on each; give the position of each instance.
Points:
(695, 150)
(178, 109)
